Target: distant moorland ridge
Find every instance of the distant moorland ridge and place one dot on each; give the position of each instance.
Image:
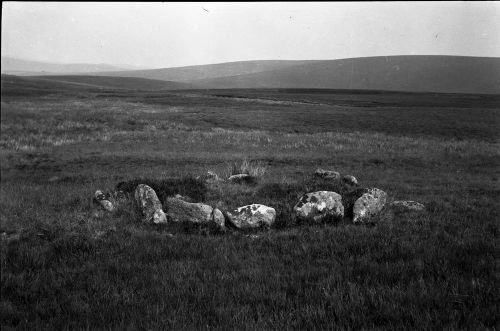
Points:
(413, 73)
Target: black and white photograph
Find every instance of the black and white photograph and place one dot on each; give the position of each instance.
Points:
(250, 165)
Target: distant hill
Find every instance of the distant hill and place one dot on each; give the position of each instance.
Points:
(395, 73)
(21, 67)
(207, 71)
(17, 85)
(413, 73)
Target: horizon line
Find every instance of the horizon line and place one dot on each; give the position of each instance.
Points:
(240, 61)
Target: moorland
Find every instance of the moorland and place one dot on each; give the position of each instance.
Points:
(66, 264)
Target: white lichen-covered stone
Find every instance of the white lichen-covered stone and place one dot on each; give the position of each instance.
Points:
(319, 206)
(370, 204)
(252, 216)
(103, 201)
(149, 204)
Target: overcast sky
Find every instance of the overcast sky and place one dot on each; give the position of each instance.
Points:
(175, 34)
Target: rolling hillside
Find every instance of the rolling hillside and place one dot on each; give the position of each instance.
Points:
(398, 73)
(416, 73)
(207, 71)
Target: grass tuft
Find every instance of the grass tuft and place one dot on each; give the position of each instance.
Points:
(252, 168)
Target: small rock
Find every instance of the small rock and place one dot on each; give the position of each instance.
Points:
(402, 210)
(407, 206)
(107, 205)
(182, 211)
(370, 204)
(252, 216)
(99, 195)
(242, 179)
(53, 179)
(99, 234)
(218, 218)
(349, 180)
(149, 204)
(183, 198)
(10, 236)
(327, 174)
(319, 206)
(103, 200)
(209, 177)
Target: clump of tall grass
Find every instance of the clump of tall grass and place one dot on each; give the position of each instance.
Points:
(252, 168)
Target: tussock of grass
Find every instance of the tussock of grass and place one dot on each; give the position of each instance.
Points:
(252, 168)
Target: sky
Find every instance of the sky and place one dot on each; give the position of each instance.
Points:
(157, 35)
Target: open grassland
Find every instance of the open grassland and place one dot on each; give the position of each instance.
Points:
(65, 264)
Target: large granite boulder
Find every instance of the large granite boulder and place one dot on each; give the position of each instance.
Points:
(103, 200)
(149, 205)
(327, 174)
(199, 213)
(369, 205)
(252, 216)
(319, 206)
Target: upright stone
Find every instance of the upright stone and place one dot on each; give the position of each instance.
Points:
(369, 205)
(149, 204)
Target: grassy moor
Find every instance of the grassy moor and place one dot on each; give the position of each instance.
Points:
(67, 264)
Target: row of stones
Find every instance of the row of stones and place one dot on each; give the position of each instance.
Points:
(315, 207)
(179, 210)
